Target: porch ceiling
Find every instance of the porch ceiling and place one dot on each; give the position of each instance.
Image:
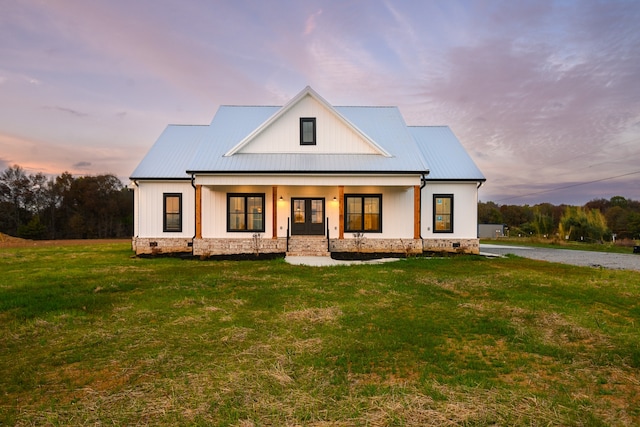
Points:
(310, 180)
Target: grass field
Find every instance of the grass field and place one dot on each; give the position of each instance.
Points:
(91, 335)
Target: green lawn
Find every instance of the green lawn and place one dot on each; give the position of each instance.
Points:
(91, 335)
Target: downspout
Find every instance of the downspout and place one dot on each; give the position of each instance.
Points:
(423, 183)
(477, 200)
(195, 208)
(136, 223)
(136, 217)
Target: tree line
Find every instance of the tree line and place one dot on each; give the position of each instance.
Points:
(35, 206)
(597, 220)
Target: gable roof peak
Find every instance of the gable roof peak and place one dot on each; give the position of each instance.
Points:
(307, 91)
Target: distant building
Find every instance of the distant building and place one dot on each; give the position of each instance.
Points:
(492, 231)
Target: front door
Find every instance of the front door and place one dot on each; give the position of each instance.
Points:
(307, 216)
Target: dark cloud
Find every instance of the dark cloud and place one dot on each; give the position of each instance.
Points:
(82, 165)
(68, 111)
(547, 99)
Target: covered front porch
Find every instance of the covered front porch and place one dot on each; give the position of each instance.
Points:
(307, 215)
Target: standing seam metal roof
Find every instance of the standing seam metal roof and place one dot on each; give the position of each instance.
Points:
(181, 150)
(169, 156)
(445, 155)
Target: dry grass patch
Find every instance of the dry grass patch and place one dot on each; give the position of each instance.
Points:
(234, 334)
(314, 315)
(310, 345)
(189, 302)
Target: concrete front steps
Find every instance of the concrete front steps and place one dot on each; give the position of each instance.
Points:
(308, 246)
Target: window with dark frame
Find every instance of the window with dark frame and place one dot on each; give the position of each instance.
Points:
(307, 131)
(443, 213)
(172, 212)
(245, 212)
(363, 213)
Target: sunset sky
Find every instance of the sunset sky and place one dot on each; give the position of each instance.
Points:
(545, 95)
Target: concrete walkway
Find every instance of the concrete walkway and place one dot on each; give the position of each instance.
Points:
(565, 256)
(325, 261)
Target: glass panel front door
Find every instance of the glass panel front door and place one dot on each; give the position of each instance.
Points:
(307, 216)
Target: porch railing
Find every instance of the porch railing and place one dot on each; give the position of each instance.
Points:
(328, 244)
(288, 224)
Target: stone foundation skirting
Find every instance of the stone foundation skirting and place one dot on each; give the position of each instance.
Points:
(464, 246)
(212, 247)
(158, 246)
(365, 245)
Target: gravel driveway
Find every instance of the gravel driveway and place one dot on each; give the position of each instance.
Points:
(567, 256)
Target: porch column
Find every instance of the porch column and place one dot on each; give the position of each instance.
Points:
(274, 225)
(198, 211)
(416, 211)
(341, 210)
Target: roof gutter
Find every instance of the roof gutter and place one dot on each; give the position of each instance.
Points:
(423, 180)
(306, 172)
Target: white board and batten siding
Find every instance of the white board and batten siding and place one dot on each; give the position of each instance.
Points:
(333, 136)
(149, 207)
(465, 209)
(397, 212)
(214, 208)
(397, 216)
(397, 219)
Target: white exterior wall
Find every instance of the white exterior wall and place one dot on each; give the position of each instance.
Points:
(332, 135)
(214, 211)
(136, 207)
(148, 208)
(397, 209)
(465, 209)
(331, 208)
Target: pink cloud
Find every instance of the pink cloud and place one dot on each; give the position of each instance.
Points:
(310, 24)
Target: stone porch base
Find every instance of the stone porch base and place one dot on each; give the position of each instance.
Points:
(210, 247)
(463, 246)
(260, 245)
(159, 246)
(364, 245)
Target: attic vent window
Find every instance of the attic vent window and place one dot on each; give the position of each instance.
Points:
(307, 131)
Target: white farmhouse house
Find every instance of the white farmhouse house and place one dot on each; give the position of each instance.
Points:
(305, 178)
